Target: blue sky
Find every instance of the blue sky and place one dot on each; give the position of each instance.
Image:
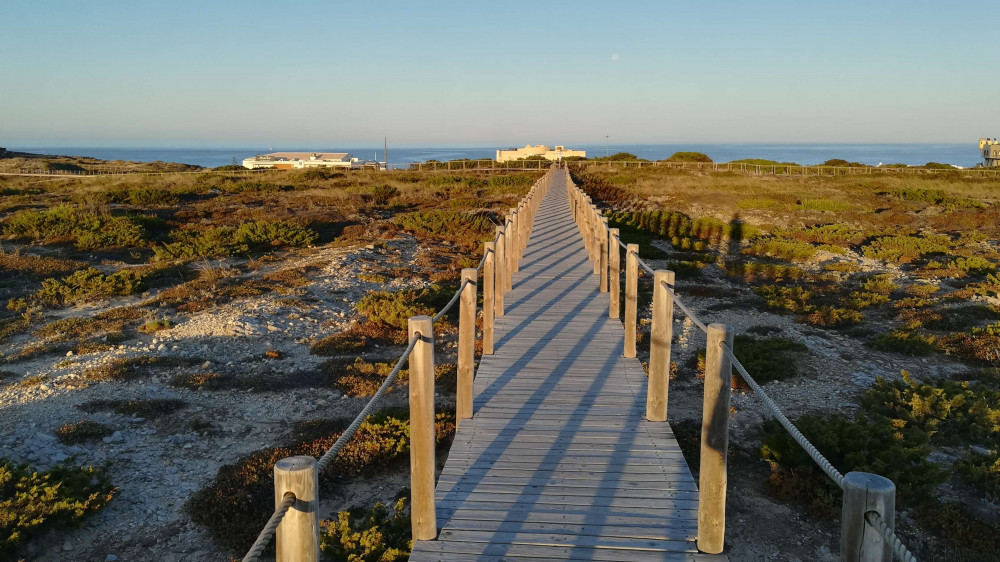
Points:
(225, 73)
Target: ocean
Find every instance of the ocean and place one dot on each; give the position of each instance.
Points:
(965, 154)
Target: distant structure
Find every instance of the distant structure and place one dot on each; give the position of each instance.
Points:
(991, 152)
(555, 154)
(290, 160)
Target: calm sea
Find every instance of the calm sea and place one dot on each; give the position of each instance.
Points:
(965, 155)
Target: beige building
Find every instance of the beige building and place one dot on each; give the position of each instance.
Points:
(991, 152)
(555, 154)
(290, 160)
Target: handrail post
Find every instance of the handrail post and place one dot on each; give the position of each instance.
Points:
(631, 292)
(615, 276)
(714, 441)
(501, 264)
(595, 240)
(864, 492)
(515, 235)
(297, 537)
(605, 248)
(423, 519)
(661, 333)
(466, 345)
(489, 289)
(508, 248)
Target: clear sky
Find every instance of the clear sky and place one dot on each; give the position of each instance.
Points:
(241, 73)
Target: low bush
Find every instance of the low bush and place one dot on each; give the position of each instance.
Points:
(966, 536)
(780, 248)
(688, 157)
(82, 431)
(88, 230)
(131, 368)
(361, 378)
(825, 205)
(33, 502)
(850, 445)
(768, 359)
(905, 249)
(237, 504)
(156, 325)
(145, 196)
(383, 194)
(455, 226)
(149, 408)
(380, 534)
(393, 309)
(832, 317)
(933, 197)
(946, 411)
(793, 299)
(223, 241)
(89, 285)
(909, 342)
(753, 272)
(982, 472)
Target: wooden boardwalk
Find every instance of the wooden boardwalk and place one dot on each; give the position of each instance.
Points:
(559, 462)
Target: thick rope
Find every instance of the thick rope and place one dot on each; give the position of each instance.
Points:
(684, 309)
(328, 457)
(452, 302)
(816, 456)
(267, 533)
(482, 262)
(900, 550)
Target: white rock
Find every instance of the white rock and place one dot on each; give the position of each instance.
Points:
(69, 353)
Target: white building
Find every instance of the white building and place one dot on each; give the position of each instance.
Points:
(555, 154)
(991, 152)
(290, 160)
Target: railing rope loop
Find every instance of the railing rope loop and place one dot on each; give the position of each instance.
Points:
(898, 548)
(265, 536)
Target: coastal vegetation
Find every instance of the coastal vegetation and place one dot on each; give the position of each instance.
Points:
(890, 267)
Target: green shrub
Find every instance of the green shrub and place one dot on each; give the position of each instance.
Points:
(89, 231)
(982, 471)
(780, 248)
(237, 504)
(82, 431)
(850, 445)
(32, 503)
(450, 225)
(383, 194)
(378, 536)
(88, 285)
(933, 197)
(156, 326)
(688, 157)
(395, 309)
(793, 299)
(253, 186)
(361, 378)
(825, 205)
(831, 317)
(904, 341)
(127, 369)
(751, 272)
(905, 249)
(968, 536)
(223, 241)
(768, 359)
(137, 196)
(944, 410)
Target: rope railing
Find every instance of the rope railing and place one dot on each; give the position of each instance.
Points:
(868, 498)
(809, 448)
(898, 548)
(512, 236)
(267, 533)
(452, 302)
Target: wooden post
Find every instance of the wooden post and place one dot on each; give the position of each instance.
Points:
(631, 292)
(488, 298)
(466, 345)
(515, 237)
(602, 232)
(501, 263)
(422, 515)
(864, 492)
(661, 334)
(508, 250)
(595, 240)
(297, 537)
(615, 276)
(714, 441)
